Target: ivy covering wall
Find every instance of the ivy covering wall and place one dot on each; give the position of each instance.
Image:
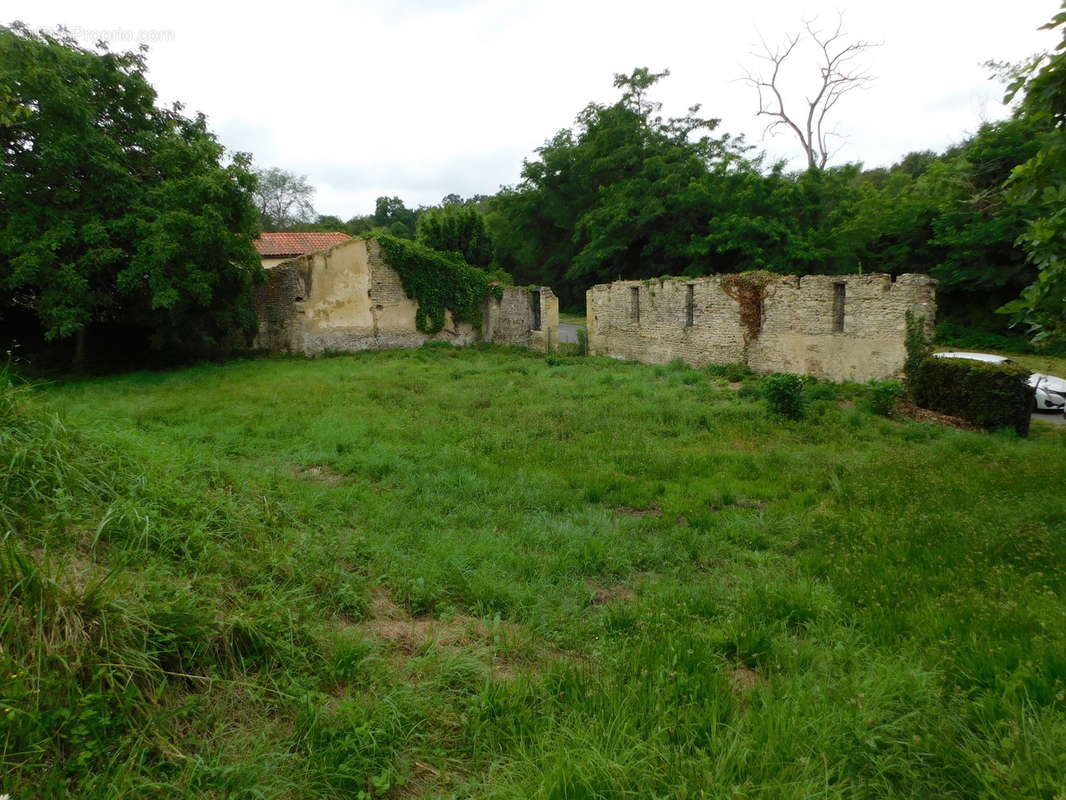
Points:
(439, 282)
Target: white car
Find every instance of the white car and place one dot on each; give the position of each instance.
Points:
(1050, 391)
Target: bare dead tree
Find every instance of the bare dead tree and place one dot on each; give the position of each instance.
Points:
(839, 75)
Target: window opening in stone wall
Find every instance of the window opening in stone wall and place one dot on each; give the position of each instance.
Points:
(690, 305)
(634, 304)
(839, 295)
(534, 299)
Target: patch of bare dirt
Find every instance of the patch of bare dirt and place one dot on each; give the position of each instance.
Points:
(743, 679)
(319, 473)
(408, 635)
(425, 781)
(651, 511)
(907, 410)
(391, 623)
(602, 595)
(735, 385)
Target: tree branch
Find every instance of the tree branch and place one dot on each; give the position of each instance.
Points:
(837, 75)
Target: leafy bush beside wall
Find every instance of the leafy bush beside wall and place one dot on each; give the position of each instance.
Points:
(883, 396)
(784, 393)
(456, 228)
(988, 395)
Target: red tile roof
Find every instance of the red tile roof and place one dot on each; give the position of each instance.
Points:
(278, 245)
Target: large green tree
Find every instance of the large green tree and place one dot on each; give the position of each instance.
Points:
(977, 221)
(611, 197)
(1041, 181)
(456, 228)
(628, 193)
(394, 218)
(111, 208)
(773, 220)
(950, 215)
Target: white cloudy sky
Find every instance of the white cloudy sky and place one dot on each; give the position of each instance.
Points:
(419, 98)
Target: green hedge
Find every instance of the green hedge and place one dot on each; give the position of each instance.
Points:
(988, 395)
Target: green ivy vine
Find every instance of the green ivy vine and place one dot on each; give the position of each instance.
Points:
(438, 282)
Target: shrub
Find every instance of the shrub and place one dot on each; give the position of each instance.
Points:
(582, 342)
(784, 393)
(882, 396)
(988, 395)
(734, 372)
(820, 390)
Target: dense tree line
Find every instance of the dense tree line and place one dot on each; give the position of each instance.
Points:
(628, 194)
(391, 216)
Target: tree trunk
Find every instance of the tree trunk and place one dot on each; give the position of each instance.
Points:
(79, 348)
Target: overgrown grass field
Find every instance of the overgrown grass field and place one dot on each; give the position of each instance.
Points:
(486, 573)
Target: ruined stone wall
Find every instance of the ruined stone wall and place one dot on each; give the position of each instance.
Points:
(841, 327)
(798, 325)
(277, 310)
(348, 298)
(649, 321)
(527, 317)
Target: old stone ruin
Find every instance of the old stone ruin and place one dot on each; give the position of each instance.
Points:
(840, 327)
(348, 298)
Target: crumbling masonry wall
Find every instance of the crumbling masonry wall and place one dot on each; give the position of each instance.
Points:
(348, 298)
(841, 327)
(527, 317)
